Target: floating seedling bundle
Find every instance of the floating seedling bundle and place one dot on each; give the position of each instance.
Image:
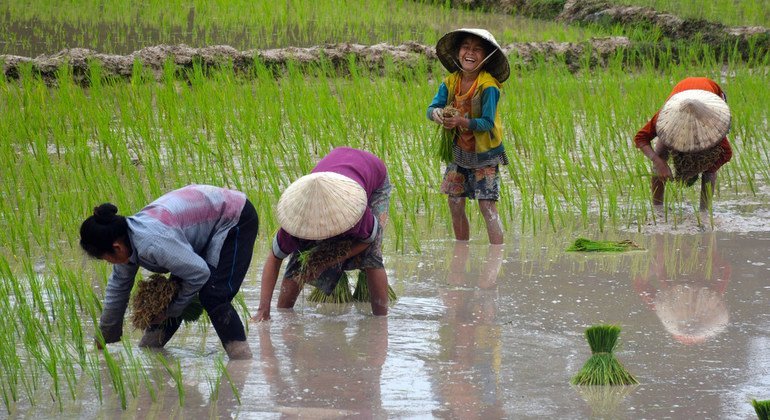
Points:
(762, 408)
(153, 297)
(588, 245)
(603, 368)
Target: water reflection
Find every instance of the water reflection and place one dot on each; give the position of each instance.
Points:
(469, 361)
(331, 370)
(208, 390)
(685, 286)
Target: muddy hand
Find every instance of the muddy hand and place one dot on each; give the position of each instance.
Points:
(262, 315)
(663, 170)
(453, 122)
(437, 116)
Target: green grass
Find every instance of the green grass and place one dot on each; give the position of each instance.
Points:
(124, 26)
(729, 12)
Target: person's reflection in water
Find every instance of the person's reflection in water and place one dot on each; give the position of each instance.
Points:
(330, 371)
(686, 289)
(469, 367)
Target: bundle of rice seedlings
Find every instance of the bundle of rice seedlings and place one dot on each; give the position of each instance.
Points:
(444, 141)
(153, 297)
(588, 245)
(688, 165)
(762, 408)
(340, 294)
(361, 293)
(603, 368)
(324, 254)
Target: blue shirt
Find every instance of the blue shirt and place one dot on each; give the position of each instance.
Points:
(181, 232)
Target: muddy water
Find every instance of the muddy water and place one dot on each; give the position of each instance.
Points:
(497, 332)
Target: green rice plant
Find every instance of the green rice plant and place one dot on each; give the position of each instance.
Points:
(226, 374)
(590, 245)
(340, 294)
(603, 368)
(762, 408)
(361, 291)
(116, 376)
(175, 371)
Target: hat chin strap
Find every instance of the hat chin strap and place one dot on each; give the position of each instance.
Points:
(475, 68)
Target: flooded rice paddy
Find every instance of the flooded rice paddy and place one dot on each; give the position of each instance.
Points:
(483, 331)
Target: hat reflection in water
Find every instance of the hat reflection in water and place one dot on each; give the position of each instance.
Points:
(686, 290)
(691, 314)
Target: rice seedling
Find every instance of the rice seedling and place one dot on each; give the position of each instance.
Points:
(603, 368)
(361, 291)
(568, 137)
(762, 408)
(340, 293)
(226, 374)
(175, 371)
(153, 297)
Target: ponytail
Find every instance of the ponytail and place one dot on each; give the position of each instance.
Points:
(100, 230)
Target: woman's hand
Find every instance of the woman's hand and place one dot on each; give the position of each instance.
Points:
(262, 315)
(662, 169)
(437, 115)
(456, 122)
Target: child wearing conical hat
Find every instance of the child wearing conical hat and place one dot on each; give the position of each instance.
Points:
(343, 204)
(472, 91)
(691, 127)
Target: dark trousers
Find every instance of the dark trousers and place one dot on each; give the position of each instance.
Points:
(217, 294)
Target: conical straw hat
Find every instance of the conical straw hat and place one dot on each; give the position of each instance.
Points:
(693, 120)
(321, 205)
(446, 50)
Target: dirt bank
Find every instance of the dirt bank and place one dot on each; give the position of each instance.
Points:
(752, 42)
(608, 14)
(372, 56)
(674, 27)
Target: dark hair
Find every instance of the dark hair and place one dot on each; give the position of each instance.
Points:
(100, 230)
(488, 47)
